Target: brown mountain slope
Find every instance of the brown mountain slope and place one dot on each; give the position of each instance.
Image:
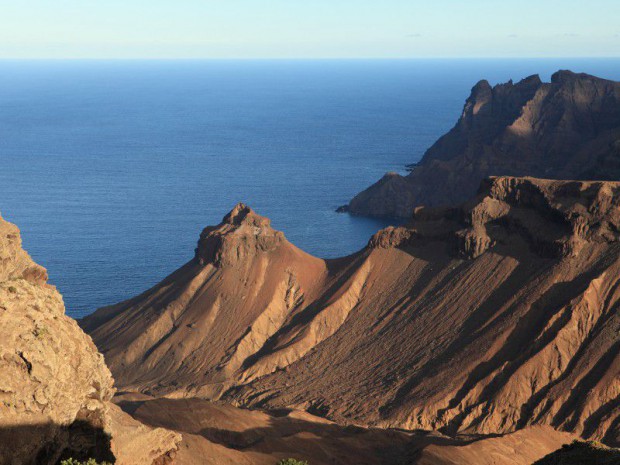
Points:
(54, 385)
(484, 318)
(198, 327)
(566, 129)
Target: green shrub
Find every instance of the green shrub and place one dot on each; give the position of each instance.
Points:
(12, 289)
(40, 332)
(292, 462)
(88, 462)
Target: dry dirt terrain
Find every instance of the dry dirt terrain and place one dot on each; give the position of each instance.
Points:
(220, 434)
(482, 319)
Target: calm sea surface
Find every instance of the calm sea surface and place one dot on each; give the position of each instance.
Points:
(112, 168)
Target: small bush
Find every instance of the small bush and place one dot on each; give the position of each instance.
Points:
(12, 289)
(40, 332)
(292, 462)
(88, 462)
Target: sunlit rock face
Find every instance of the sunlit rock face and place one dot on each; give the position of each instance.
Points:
(54, 385)
(486, 318)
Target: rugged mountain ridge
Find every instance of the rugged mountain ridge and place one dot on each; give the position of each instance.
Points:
(484, 318)
(55, 388)
(568, 128)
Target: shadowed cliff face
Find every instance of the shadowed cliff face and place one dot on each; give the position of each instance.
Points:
(566, 129)
(54, 385)
(483, 318)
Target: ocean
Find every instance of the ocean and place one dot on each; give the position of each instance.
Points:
(112, 168)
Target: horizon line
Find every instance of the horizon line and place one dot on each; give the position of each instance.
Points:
(550, 57)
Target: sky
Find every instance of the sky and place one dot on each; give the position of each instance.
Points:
(308, 28)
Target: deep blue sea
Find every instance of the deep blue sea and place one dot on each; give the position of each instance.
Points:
(112, 168)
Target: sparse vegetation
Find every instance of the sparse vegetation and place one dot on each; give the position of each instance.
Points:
(12, 289)
(87, 462)
(40, 332)
(292, 462)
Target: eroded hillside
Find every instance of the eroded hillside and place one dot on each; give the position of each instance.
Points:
(484, 318)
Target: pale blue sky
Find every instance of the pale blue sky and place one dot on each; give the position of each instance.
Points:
(308, 28)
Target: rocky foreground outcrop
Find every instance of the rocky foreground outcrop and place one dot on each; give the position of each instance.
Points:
(566, 129)
(582, 453)
(54, 385)
(486, 318)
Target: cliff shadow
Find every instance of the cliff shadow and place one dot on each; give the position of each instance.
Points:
(246, 435)
(282, 433)
(50, 443)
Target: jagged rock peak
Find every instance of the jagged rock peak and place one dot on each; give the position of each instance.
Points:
(390, 237)
(484, 89)
(481, 88)
(563, 215)
(564, 76)
(556, 218)
(242, 214)
(588, 202)
(242, 233)
(15, 263)
(489, 109)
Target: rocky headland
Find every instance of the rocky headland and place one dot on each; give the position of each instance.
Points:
(568, 128)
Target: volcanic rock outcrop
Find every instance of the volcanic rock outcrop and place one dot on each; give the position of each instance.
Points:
(566, 129)
(582, 453)
(485, 318)
(54, 385)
